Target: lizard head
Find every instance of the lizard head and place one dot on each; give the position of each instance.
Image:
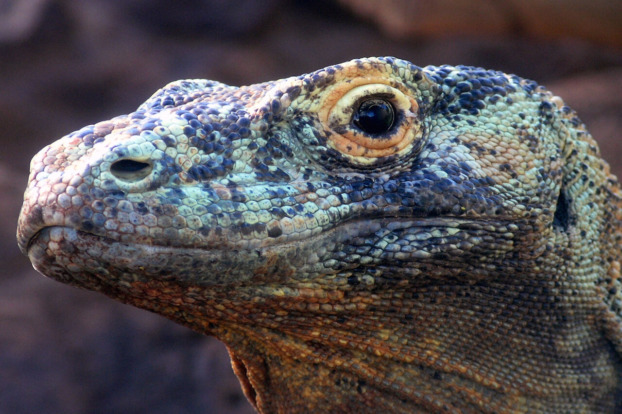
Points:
(373, 211)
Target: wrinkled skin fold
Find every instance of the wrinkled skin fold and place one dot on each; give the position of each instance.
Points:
(370, 237)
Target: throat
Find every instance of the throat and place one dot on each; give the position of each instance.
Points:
(286, 375)
(370, 360)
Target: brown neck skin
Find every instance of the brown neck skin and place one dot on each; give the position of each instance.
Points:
(480, 347)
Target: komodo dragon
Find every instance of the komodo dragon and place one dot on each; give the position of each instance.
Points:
(370, 237)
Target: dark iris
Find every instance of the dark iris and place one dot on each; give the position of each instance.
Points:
(374, 116)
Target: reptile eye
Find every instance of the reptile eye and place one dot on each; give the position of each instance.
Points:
(374, 116)
(366, 121)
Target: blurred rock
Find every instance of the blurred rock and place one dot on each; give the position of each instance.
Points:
(11, 192)
(70, 351)
(598, 21)
(597, 97)
(226, 19)
(19, 19)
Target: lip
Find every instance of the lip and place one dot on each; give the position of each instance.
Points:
(364, 225)
(68, 254)
(88, 260)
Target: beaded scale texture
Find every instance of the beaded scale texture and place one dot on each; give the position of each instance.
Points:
(370, 237)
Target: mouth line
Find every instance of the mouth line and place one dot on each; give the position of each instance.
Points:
(69, 254)
(364, 223)
(99, 237)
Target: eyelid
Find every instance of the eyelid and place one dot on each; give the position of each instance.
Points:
(337, 113)
(408, 114)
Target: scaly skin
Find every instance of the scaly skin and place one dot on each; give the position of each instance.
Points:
(465, 258)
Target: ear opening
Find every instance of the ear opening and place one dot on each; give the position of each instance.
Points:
(561, 219)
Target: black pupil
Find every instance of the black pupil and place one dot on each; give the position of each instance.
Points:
(375, 116)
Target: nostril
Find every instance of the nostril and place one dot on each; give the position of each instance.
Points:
(130, 170)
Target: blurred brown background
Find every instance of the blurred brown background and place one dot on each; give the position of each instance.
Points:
(65, 64)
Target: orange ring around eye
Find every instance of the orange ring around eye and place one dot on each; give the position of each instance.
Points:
(336, 115)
